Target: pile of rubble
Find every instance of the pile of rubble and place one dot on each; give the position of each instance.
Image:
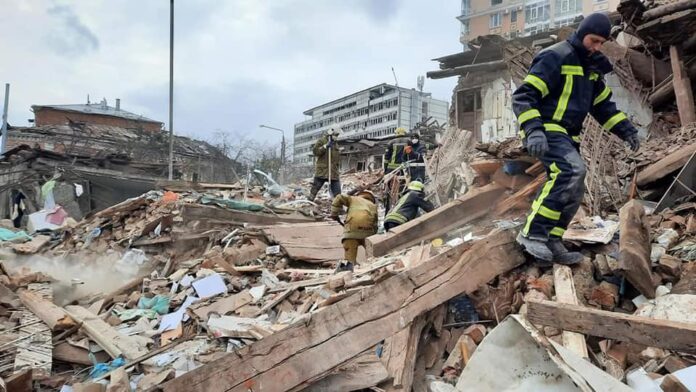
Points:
(230, 289)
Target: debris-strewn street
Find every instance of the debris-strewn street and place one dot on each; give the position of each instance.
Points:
(115, 279)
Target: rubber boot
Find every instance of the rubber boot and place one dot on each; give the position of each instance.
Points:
(536, 248)
(561, 255)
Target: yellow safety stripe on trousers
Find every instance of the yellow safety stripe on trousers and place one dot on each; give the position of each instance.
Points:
(395, 217)
(594, 76)
(528, 115)
(557, 231)
(549, 213)
(538, 83)
(615, 119)
(572, 70)
(536, 205)
(565, 96)
(602, 96)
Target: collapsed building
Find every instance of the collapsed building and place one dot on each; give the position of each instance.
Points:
(223, 289)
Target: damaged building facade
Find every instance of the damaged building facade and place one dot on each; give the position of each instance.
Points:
(371, 113)
(96, 164)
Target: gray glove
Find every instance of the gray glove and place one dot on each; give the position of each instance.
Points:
(537, 144)
(633, 141)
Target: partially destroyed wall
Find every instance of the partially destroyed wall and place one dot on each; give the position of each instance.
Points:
(499, 121)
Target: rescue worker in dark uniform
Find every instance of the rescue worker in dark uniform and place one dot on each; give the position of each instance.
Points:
(407, 207)
(394, 153)
(414, 154)
(327, 165)
(564, 84)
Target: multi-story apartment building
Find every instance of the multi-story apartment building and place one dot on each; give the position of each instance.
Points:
(371, 113)
(512, 18)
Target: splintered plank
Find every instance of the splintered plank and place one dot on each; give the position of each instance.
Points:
(44, 308)
(35, 349)
(565, 294)
(634, 248)
(666, 165)
(114, 343)
(361, 372)
(452, 215)
(306, 351)
(670, 335)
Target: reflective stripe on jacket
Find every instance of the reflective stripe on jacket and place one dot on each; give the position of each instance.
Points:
(561, 89)
(407, 207)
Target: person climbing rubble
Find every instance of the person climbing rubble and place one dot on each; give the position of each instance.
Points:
(361, 222)
(394, 153)
(414, 154)
(564, 84)
(408, 205)
(327, 165)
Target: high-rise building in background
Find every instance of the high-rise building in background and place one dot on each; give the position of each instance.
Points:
(371, 113)
(513, 18)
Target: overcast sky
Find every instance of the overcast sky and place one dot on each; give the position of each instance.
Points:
(238, 63)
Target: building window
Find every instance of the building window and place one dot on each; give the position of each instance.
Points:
(496, 20)
(513, 16)
(564, 7)
(496, 2)
(538, 12)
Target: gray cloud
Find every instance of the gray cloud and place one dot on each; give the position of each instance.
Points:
(70, 36)
(381, 10)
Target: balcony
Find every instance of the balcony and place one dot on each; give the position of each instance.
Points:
(484, 8)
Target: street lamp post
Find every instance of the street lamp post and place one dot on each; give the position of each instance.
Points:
(282, 152)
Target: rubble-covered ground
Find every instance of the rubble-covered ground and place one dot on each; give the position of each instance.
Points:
(232, 287)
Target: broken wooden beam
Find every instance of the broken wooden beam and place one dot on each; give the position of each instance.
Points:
(666, 165)
(565, 294)
(670, 335)
(52, 315)
(667, 9)
(634, 248)
(191, 212)
(399, 355)
(520, 197)
(682, 83)
(452, 215)
(305, 351)
(114, 343)
(361, 372)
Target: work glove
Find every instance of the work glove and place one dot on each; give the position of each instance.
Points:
(337, 219)
(633, 141)
(537, 144)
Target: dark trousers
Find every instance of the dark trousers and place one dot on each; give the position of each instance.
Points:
(560, 197)
(334, 187)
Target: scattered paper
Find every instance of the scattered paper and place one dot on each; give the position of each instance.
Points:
(186, 281)
(257, 292)
(273, 250)
(210, 286)
(171, 321)
(79, 190)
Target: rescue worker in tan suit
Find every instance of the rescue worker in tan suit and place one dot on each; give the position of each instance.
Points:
(361, 222)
